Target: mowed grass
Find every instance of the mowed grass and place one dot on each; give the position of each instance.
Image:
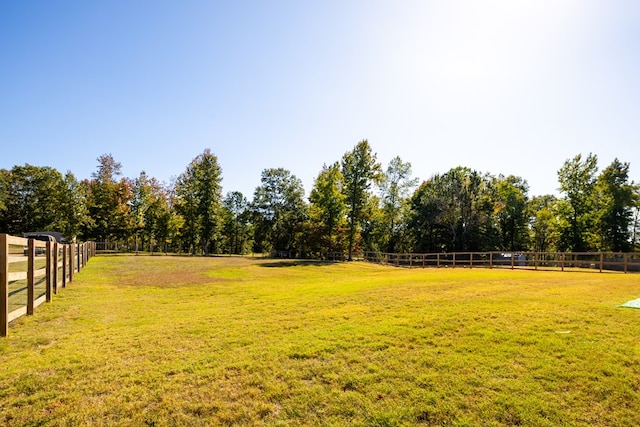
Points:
(237, 341)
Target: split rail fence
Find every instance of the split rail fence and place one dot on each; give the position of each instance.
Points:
(32, 271)
(598, 261)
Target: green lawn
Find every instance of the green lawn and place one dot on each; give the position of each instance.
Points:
(232, 341)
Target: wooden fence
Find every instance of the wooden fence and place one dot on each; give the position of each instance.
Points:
(32, 271)
(598, 261)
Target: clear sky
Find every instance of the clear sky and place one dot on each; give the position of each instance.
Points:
(505, 87)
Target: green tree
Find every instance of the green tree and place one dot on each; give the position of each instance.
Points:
(327, 211)
(614, 201)
(395, 189)
(199, 192)
(455, 212)
(360, 170)
(31, 198)
(4, 190)
(149, 210)
(73, 206)
(140, 202)
(577, 179)
(374, 228)
(426, 219)
(169, 222)
(542, 211)
(279, 211)
(236, 228)
(108, 202)
(511, 211)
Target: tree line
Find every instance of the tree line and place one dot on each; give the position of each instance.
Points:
(355, 205)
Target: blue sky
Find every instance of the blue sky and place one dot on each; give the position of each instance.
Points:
(510, 87)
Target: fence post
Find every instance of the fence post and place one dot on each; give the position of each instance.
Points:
(601, 261)
(438, 260)
(626, 264)
(471, 260)
(78, 254)
(490, 260)
(4, 285)
(64, 266)
(423, 257)
(31, 253)
(48, 272)
(562, 261)
(513, 255)
(70, 259)
(454, 260)
(55, 268)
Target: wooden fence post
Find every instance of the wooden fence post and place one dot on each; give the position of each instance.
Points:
(31, 276)
(513, 255)
(626, 262)
(64, 266)
(70, 259)
(490, 260)
(601, 261)
(4, 285)
(55, 268)
(48, 272)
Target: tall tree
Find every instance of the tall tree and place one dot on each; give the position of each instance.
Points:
(327, 210)
(32, 195)
(169, 221)
(149, 207)
(236, 225)
(455, 211)
(199, 191)
(577, 179)
(360, 170)
(614, 202)
(108, 202)
(73, 206)
(543, 222)
(426, 218)
(511, 211)
(395, 188)
(279, 210)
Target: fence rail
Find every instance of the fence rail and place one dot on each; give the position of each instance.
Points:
(599, 261)
(32, 271)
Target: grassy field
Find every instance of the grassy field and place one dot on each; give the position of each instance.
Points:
(230, 341)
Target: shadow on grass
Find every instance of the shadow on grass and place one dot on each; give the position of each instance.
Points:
(296, 262)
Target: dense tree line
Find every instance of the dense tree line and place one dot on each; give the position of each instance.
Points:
(355, 204)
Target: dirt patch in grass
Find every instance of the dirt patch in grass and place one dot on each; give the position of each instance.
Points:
(163, 271)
